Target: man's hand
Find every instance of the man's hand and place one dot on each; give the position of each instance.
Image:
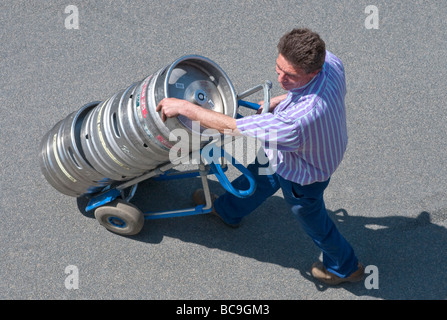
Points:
(273, 103)
(172, 107)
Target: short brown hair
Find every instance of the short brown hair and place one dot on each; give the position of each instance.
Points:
(304, 49)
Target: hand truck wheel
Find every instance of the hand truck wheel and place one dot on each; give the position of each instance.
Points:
(120, 217)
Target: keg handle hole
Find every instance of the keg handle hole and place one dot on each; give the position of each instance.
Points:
(71, 154)
(115, 125)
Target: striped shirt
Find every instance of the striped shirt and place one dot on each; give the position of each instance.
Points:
(306, 136)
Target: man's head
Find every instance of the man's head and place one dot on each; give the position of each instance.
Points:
(301, 57)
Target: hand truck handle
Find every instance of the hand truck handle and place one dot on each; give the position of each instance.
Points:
(220, 174)
(249, 105)
(266, 86)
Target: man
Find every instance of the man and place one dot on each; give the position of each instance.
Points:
(311, 137)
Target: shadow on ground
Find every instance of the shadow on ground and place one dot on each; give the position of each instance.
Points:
(408, 252)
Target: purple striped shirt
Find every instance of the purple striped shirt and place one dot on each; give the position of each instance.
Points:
(306, 136)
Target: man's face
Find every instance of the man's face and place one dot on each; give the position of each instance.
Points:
(290, 77)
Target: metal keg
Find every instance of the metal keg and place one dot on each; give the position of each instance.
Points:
(62, 160)
(124, 137)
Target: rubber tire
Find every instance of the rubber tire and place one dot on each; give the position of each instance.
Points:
(124, 211)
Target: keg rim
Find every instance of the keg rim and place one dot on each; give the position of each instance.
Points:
(173, 65)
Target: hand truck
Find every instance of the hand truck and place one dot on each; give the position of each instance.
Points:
(112, 207)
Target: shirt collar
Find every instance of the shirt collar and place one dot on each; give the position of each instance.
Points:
(301, 89)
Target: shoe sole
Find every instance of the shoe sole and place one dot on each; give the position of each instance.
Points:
(199, 199)
(337, 280)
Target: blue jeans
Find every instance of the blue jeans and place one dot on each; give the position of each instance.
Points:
(307, 206)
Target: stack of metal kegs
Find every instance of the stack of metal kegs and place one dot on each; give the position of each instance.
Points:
(124, 137)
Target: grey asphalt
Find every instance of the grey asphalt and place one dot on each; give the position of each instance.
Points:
(388, 197)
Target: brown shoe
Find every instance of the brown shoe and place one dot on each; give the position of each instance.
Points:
(321, 273)
(199, 199)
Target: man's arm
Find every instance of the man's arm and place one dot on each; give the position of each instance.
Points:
(172, 107)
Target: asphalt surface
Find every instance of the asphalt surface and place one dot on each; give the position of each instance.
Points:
(388, 197)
